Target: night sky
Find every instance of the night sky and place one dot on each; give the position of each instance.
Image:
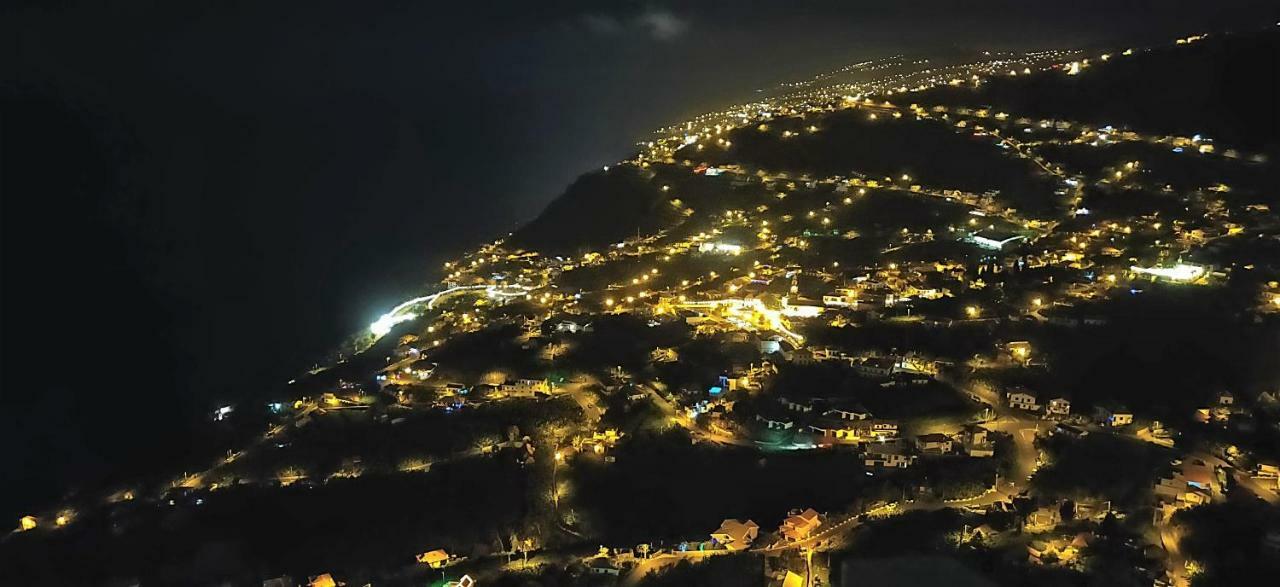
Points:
(199, 202)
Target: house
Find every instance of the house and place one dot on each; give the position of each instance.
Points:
(838, 301)
(434, 559)
(795, 406)
(325, 580)
(736, 535)
(1045, 517)
(854, 430)
(775, 424)
(993, 240)
(1191, 484)
(799, 526)
(876, 429)
(973, 434)
(1020, 350)
(1022, 398)
(1226, 399)
(934, 443)
(1113, 415)
(527, 386)
(976, 443)
(851, 412)
(572, 327)
(888, 456)
(833, 430)
(1058, 406)
(982, 450)
(801, 356)
(983, 532)
(904, 379)
(876, 366)
(603, 566)
(829, 354)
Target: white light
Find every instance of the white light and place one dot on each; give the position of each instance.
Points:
(1179, 272)
(384, 324)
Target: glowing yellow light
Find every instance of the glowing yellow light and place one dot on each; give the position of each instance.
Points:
(971, 311)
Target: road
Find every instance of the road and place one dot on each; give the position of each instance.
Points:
(657, 562)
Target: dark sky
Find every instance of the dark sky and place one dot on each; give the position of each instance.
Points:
(200, 200)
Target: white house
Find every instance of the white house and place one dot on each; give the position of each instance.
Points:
(887, 455)
(934, 443)
(1058, 406)
(775, 424)
(1023, 399)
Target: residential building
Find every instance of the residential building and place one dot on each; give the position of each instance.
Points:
(736, 535)
(851, 412)
(434, 559)
(1113, 415)
(603, 566)
(1045, 517)
(800, 525)
(803, 407)
(1021, 398)
(1058, 406)
(934, 443)
(875, 429)
(887, 455)
(572, 327)
(876, 366)
(775, 424)
(1193, 483)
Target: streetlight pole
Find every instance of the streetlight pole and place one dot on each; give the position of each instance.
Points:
(555, 488)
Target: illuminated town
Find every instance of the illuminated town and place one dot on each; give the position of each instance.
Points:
(889, 310)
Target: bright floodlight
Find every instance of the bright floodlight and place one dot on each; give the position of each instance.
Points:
(1179, 272)
(383, 325)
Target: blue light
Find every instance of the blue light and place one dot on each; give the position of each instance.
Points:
(715, 390)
